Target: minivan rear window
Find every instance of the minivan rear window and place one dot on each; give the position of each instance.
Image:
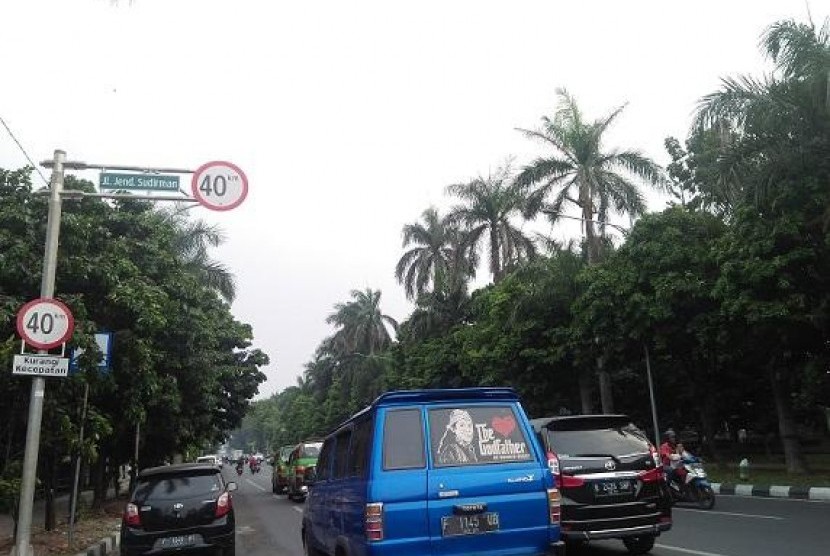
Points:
(477, 435)
(177, 486)
(403, 440)
(598, 442)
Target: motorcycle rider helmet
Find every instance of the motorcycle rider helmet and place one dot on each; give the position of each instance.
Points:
(669, 435)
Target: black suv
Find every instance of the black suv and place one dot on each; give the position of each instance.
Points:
(610, 477)
(177, 507)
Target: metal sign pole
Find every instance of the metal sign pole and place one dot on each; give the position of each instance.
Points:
(651, 395)
(47, 290)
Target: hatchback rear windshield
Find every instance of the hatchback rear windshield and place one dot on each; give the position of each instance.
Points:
(177, 486)
(477, 434)
(598, 442)
(311, 450)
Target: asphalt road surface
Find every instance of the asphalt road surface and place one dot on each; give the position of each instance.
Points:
(269, 525)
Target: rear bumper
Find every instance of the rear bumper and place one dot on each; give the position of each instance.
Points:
(619, 533)
(136, 541)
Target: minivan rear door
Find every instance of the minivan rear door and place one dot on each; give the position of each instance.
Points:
(486, 485)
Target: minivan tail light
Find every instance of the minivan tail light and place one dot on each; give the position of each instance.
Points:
(554, 505)
(131, 515)
(223, 504)
(373, 522)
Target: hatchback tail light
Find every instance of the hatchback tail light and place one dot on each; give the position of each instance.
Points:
(652, 475)
(655, 455)
(553, 465)
(572, 482)
(131, 515)
(554, 506)
(373, 522)
(224, 504)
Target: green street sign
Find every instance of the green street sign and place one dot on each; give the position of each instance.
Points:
(154, 182)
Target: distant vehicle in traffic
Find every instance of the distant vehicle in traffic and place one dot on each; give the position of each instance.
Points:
(451, 472)
(279, 473)
(611, 479)
(176, 507)
(300, 469)
(213, 460)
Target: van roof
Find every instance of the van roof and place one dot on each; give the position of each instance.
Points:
(399, 397)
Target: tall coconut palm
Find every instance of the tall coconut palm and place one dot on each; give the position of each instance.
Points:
(489, 206)
(580, 172)
(361, 326)
(438, 261)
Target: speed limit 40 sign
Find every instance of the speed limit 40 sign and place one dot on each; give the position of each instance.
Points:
(220, 185)
(45, 323)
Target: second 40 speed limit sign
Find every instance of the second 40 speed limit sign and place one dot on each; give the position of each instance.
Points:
(45, 323)
(220, 185)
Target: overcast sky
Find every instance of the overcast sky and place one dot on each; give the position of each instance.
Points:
(349, 117)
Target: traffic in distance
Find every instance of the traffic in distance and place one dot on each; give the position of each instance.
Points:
(447, 471)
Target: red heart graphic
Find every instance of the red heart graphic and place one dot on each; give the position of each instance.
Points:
(504, 425)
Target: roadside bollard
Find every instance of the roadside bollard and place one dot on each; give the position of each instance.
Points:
(743, 469)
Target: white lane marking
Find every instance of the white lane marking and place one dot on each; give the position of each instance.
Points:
(688, 550)
(729, 513)
(298, 509)
(250, 482)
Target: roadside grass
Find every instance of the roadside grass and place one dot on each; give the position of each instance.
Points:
(771, 470)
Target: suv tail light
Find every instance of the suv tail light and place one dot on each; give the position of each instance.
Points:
(131, 515)
(373, 522)
(554, 506)
(223, 504)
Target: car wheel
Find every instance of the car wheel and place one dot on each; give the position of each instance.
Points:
(639, 545)
(309, 550)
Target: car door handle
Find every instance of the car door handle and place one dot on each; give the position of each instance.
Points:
(448, 494)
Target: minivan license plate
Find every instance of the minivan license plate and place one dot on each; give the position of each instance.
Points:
(613, 487)
(454, 525)
(176, 542)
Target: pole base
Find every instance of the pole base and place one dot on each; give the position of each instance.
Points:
(29, 552)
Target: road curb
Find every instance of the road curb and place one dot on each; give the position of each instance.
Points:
(774, 491)
(104, 547)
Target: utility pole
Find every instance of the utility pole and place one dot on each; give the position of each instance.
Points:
(47, 291)
(651, 395)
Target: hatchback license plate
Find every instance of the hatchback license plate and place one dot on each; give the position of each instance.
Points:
(613, 488)
(475, 524)
(177, 542)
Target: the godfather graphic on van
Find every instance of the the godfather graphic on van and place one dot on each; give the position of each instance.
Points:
(419, 472)
(476, 435)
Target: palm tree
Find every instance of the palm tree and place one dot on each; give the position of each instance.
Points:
(439, 261)
(488, 207)
(191, 242)
(582, 174)
(362, 327)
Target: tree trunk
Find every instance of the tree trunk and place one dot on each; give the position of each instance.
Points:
(606, 395)
(99, 482)
(793, 454)
(495, 259)
(585, 393)
(707, 420)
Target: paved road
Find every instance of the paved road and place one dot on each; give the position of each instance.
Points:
(268, 525)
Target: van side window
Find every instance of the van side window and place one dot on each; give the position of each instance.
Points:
(403, 440)
(359, 451)
(341, 455)
(323, 462)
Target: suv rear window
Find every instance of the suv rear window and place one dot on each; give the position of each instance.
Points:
(618, 441)
(177, 486)
(476, 435)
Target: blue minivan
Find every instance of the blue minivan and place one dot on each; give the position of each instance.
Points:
(450, 472)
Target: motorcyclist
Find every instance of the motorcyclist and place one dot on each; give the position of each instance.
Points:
(668, 454)
(240, 465)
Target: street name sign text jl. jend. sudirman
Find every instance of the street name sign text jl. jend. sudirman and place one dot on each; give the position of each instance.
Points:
(152, 182)
(40, 365)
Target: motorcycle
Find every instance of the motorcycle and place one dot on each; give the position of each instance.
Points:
(696, 487)
(254, 467)
(239, 470)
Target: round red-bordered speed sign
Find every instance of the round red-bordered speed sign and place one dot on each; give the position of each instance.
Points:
(219, 185)
(45, 323)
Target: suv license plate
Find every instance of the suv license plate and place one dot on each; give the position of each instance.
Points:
(613, 488)
(177, 542)
(455, 525)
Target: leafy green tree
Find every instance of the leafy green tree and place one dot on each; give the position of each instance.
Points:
(487, 210)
